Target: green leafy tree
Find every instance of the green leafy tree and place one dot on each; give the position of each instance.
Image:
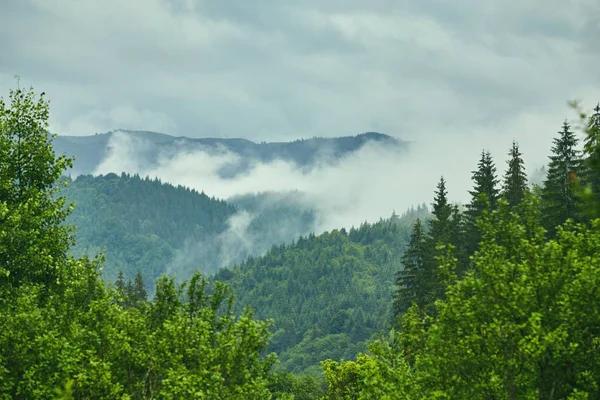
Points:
(515, 178)
(63, 334)
(33, 241)
(559, 200)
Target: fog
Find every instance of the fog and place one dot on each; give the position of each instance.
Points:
(366, 185)
(363, 186)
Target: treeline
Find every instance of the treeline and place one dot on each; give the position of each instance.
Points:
(501, 300)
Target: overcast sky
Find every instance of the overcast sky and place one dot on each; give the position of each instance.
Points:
(280, 70)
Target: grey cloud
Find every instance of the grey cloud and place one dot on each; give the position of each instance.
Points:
(269, 70)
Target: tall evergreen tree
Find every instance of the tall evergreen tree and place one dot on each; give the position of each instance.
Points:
(558, 194)
(121, 287)
(440, 226)
(409, 279)
(515, 179)
(591, 177)
(458, 236)
(485, 193)
(440, 234)
(139, 290)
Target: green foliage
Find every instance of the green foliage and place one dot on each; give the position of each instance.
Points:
(169, 348)
(384, 374)
(33, 243)
(285, 385)
(512, 328)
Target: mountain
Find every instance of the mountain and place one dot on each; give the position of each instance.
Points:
(158, 228)
(150, 147)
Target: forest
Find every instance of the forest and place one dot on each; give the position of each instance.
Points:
(494, 300)
(147, 225)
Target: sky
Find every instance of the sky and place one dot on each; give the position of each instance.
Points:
(279, 70)
(455, 77)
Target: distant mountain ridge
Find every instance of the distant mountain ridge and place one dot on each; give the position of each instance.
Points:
(90, 151)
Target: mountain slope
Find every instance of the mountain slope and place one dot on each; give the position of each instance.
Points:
(328, 294)
(159, 228)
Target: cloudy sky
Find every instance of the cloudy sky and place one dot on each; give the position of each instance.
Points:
(434, 71)
(274, 70)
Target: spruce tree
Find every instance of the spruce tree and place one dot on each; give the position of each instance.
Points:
(458, 240)
(440, 233)
(591, 179)
(129, 294)
(120, 287)
(408, 280)
(440, 226)
(558, 194)
(515, 179)
(485, 194)
(139, 291)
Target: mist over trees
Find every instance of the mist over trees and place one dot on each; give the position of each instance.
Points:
(147, 225)
(497, 299)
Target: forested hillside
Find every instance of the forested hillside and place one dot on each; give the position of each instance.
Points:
(144, 224)
(328, 294)
(141, 222)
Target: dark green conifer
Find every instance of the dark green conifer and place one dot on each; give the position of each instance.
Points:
(139, 291)
(559, 200)
(409, 279)
(591, 178)
(515, 179)
(440, 234)
(485, 193)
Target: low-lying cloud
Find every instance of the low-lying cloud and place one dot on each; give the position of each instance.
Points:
(365, 185)
(362, 186)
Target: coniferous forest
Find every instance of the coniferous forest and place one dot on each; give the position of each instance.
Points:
(496, 299)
